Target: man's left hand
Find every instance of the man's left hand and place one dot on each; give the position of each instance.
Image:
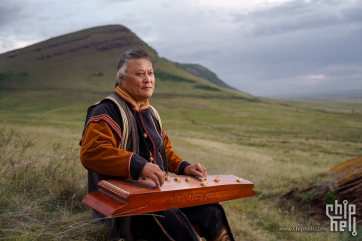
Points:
(195, 170)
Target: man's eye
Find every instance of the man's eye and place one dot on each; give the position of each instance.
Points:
(139, 74)
(150, 73)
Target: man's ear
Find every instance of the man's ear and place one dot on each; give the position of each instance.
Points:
(121, 79)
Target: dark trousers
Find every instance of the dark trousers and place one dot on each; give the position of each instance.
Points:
(176, 224)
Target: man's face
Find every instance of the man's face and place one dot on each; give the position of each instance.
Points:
(140, 81)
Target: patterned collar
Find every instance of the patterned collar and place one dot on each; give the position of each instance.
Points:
(127, 97)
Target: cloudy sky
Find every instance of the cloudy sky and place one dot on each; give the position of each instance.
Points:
(262, 47)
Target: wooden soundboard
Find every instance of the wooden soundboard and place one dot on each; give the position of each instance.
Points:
(124, 197)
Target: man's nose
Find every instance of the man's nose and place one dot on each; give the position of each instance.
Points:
(147, 78)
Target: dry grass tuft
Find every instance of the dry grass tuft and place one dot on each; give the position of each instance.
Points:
(42, 185)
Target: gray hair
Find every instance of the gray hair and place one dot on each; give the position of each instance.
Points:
(135, 53)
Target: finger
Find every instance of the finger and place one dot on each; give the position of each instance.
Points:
(154, 178)
(205, 172)
(201, 169)
(161, 177)
(159, 174)
(196, 173)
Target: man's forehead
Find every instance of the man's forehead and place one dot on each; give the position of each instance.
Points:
(139, 63)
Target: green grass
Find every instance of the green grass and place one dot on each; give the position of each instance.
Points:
(13, 77)
(171, 77)
(274, 145)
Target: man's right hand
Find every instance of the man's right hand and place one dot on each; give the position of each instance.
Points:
(153, 172)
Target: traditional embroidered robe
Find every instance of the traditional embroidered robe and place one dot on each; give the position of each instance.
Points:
(102, 157)
(103, 134)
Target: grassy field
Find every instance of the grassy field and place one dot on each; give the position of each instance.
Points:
(277, 145)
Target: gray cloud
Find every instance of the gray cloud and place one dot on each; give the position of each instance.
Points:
(299, 15)
(9, 13)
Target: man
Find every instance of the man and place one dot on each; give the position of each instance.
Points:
(123, 137)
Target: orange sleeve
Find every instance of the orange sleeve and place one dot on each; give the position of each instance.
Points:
(175, 163)
(100, 152)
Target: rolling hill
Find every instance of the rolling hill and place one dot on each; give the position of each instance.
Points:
(204, 73)
(86, 61)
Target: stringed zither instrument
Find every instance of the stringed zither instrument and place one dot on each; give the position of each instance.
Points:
(124, 197)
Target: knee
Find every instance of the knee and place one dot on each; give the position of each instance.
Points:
(214, 211)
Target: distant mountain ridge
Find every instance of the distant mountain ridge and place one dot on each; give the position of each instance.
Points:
(87, 61)
(202, 72)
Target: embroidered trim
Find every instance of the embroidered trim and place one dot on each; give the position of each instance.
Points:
(179, 220)
(157, 116)
(153, 143)
(109, 121)
(158, 134)
(124, 138)
(124, 95)
(163, 133)
(163, 229)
